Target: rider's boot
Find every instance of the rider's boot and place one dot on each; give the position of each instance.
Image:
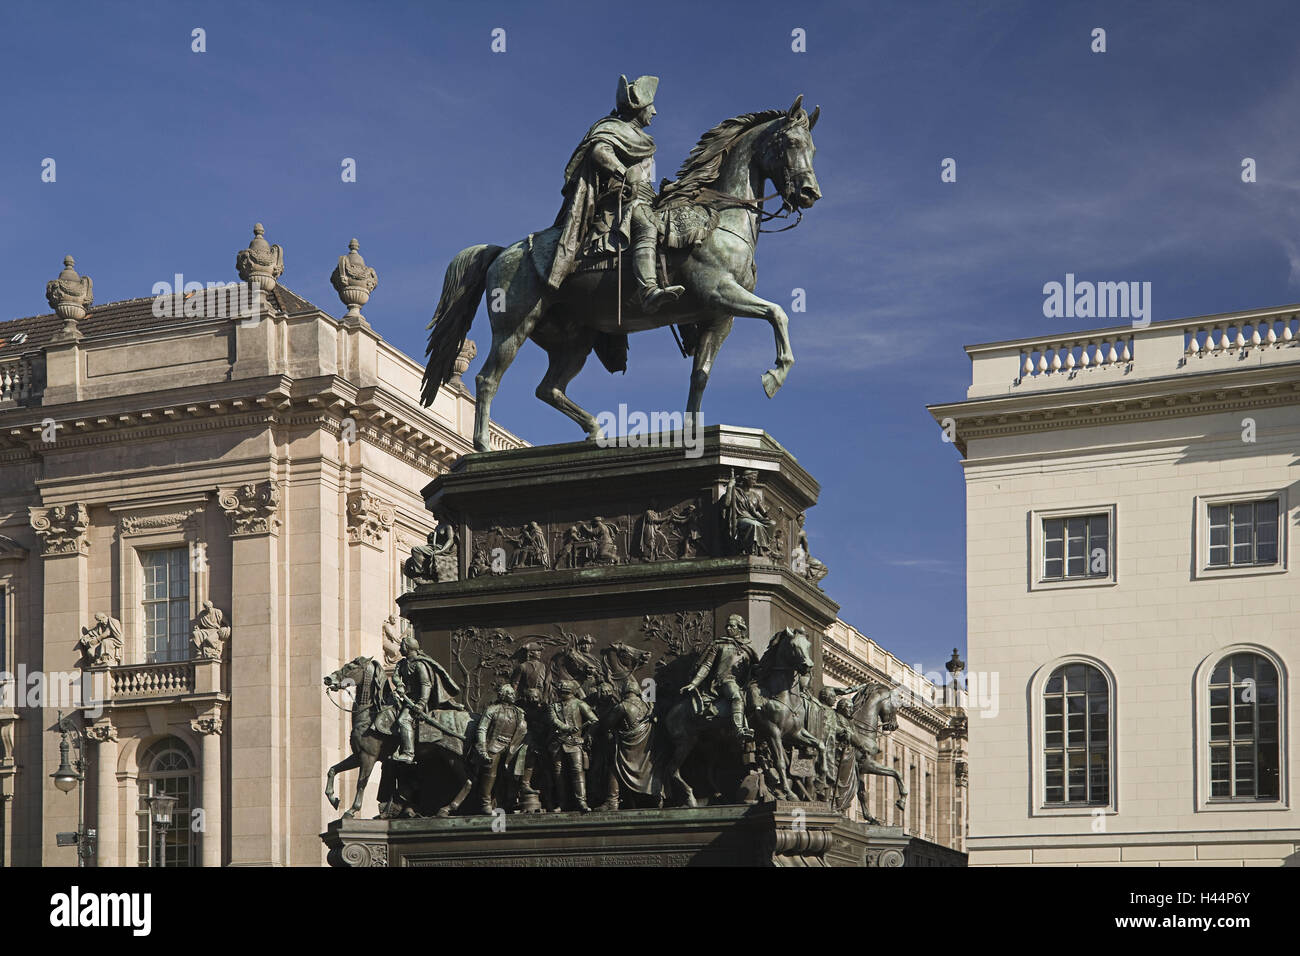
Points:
(650, 296)
(742, 729)
(406, 749)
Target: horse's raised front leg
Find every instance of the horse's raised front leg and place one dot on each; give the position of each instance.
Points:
(347, 763)
(732, 297)
(367, 764)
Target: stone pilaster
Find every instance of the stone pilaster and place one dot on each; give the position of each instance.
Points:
(209, 726)
(65, 549)
(108, 842)
(258, 731)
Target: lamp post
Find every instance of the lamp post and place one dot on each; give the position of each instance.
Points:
(71, 774)
(161, 806)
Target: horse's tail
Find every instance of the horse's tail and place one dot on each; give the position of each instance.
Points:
(462, 287)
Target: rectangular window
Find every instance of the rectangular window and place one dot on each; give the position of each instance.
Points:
(1243, 534)
(166, 604)
(1076, 548)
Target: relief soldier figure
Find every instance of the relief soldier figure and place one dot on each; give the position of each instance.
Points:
(569, 720)
(500, 739)
(419, 684)
(609, 197)
(725, 669)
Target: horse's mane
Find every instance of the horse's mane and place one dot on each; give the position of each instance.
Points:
(702, 164)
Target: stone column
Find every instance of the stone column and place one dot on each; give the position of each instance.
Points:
(209, 726)
(257, 727)
(108, 841)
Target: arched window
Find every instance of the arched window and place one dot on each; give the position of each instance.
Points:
(1243, 740)
(1076, 737)
(167, 767)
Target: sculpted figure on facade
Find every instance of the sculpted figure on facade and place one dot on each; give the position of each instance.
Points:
(749, 528)
(392, 640)
(210, 633)
(101, 643)
(499, 742)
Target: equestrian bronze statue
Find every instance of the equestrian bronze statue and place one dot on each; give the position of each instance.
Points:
(564, 287)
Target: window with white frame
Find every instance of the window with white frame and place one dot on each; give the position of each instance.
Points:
(1243, 533)
(1071, 547)
(165, 605)
(1076, 737)
(167, 767)
(1243, 729)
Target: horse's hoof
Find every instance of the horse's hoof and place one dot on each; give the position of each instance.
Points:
(770, 383)
(349, 814)
(443, 812)
(334, 801)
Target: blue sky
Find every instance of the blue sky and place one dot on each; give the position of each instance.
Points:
(1123, 165)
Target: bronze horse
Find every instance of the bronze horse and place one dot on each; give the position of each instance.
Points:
(370, 744)
(723, 176)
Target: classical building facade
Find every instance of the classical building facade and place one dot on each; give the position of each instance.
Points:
(234, 446)
(206, 496)
(1133, 614)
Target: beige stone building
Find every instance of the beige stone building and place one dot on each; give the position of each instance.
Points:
(1132, 498)
(243, 448)
(230, 478)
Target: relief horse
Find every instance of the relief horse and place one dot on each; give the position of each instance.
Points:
(722, 179)
(371, 743)
(781, 706)
(875, 710)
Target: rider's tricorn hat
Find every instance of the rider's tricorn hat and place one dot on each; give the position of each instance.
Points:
(638, 94)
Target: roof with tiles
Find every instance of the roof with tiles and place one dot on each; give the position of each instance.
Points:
(124, 316)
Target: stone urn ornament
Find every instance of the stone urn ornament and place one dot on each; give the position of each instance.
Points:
(353, 280)
(70, 295)
(261, 263)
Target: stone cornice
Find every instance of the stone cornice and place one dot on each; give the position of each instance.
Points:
(1143, 400)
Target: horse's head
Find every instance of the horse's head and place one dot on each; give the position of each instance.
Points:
(629, 656)
(792, 651)
(786, 155)
(350, 674)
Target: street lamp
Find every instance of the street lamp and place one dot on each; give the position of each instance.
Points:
(161, 806)
(70, 774)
